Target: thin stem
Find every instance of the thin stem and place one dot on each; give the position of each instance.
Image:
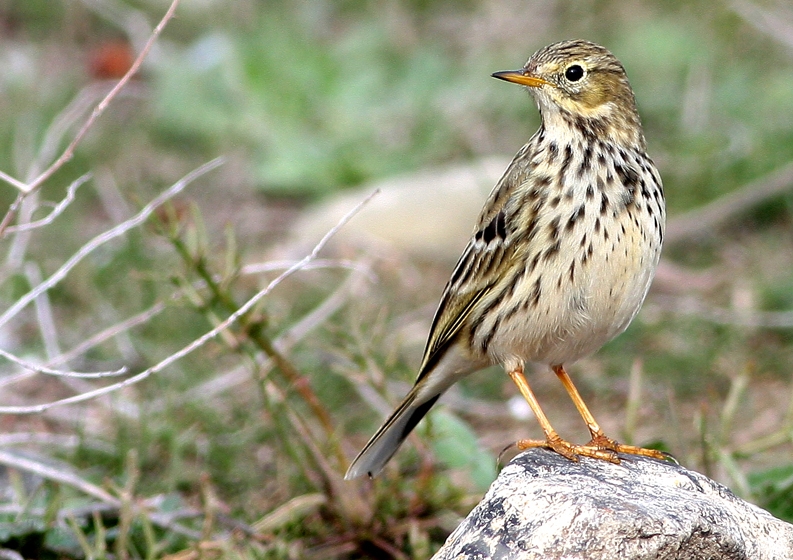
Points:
(97, 112)
(200, 341)
(103, 238)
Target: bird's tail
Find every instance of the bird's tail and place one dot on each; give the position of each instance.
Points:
(391, 434)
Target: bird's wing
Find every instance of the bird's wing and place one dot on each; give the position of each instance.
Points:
(480, 267)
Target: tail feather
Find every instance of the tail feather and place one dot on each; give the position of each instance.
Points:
(390, 436)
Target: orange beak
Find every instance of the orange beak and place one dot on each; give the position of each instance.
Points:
(521, 77)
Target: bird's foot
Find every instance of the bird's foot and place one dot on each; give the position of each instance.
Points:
(569, 450)
(602, 442)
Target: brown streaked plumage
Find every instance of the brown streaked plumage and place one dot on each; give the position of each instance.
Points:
(562, 254)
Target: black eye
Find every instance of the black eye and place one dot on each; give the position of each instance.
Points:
(574, 73)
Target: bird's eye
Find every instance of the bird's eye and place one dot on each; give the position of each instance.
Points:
(574, 73)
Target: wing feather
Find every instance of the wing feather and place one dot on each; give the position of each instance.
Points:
(480, 267)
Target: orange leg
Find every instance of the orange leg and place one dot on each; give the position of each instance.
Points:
(599, 439)
(552, 439)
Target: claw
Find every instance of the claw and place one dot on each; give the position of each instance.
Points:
(569, 450)
(600, 441)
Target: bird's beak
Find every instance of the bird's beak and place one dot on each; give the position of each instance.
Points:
(521, 77)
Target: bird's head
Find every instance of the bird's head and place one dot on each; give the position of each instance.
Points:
(581, 87)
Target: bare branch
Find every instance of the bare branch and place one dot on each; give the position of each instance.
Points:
(270, 266)
(22, 187)
(329, 306)
(68, 117)
(22, 210)
(701, 221)
(294, 333)
(54, 134)
(95, 340)
(97, 112)
(56, 211)
(103, 238)
(283, 343)
(64, 121)
(36, 368)
(231, 319)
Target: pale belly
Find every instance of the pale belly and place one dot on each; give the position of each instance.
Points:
(584, 301)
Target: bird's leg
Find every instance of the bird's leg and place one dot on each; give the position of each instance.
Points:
(599, 439)
(552, 439)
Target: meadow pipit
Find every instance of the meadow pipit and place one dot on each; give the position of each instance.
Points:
(561, 257)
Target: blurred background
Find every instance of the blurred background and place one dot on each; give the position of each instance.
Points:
(237, 451)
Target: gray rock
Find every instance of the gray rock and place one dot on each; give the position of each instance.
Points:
(544, 506)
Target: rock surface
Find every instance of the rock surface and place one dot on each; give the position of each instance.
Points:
(429, 214)
(544, 506)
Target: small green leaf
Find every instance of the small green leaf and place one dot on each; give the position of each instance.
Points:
(456, 445)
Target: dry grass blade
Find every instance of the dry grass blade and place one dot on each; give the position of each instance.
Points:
(258, 268)
(294, 509)
(51, 473)
(44, 315)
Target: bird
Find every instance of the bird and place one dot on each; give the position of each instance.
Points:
(561, 257)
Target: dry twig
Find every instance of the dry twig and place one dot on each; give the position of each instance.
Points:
(108, 235)
(68, 153)
(231, 319)
(56, 211)
(702, 221)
